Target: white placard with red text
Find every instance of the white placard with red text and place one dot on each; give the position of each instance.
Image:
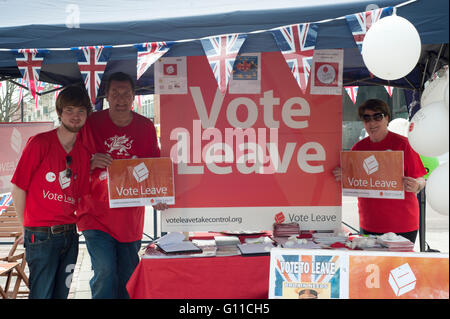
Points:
(242, 159)
(170, 76)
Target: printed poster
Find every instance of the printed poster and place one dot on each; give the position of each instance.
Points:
(13, 138)
(372, 174)
(352, 274)
(404, 276)
(246, 75)
(171, 76)
(242, 159)
(327, 71)
(140, 182)
(308, 274)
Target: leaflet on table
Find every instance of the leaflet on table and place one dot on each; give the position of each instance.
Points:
(373, 174)
(140, 182)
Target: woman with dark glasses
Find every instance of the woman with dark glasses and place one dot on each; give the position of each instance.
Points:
(378, 216)
(51, 176)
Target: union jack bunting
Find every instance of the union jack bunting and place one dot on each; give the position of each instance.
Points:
(20, 95)
(297, 43)
(92, 63)
(221, 53)
(149, 53)
(360, 23)
(352, 92)
(39, 89)
(29, 62)
(389, 90)
(5, 201)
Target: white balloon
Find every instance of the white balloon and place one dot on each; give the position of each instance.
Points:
(435, 90)
(399, 126)
(436, 190)
(391, 48)
(428, 130)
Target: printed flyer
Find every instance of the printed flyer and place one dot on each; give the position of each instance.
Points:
(374, 174)
(140, 182)
(308, 274)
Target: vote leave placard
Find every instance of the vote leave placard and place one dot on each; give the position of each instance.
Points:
(373, 174)
(242, 159)
(13, 138)
(140, 182)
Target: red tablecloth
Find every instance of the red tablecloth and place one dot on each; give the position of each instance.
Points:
(233, 277)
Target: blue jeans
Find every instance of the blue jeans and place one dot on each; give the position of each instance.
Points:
(113, 263)
(51, 260)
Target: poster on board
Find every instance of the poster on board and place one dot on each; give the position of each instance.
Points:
(242, 159)
(13, 138)
(353, 274)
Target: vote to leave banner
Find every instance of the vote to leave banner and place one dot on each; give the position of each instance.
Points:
(243, 161)
(13, 138)
(140, 182)
(374, 174)
(348, 274)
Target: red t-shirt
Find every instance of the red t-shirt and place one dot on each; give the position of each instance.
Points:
(391, 215)
(51, 197)
(136, 140)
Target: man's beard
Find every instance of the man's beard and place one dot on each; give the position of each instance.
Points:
(71, 129)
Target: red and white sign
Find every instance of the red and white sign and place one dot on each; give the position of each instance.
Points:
(140, 182)
(373, 174)
(241, 159)
(13, 138)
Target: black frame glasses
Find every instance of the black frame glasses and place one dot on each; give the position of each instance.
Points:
(376, 117)
(68, 163)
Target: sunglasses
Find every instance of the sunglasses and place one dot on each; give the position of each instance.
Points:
(68, 163)
(376, 117)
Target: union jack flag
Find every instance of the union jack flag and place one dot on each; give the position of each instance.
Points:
(5, 201)
(92, 63)
(360, 23)
(221, 53)
(308, 275)
(297, 43)
(149, 53)
(29, 62)
(352, 92)
(389, 90)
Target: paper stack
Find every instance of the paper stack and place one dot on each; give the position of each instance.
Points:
(329, 238)
(285, 230)
(227, 245)
(395, 242)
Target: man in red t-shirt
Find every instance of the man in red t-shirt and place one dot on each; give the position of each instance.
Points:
(113, 235)
(51, 176)
(376, 215)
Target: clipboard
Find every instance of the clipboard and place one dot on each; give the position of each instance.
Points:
(179, 247)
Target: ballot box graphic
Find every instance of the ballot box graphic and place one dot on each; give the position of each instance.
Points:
(140, 172)
(402, 279)
(370, 165)
(140, 182)
(64, 181)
